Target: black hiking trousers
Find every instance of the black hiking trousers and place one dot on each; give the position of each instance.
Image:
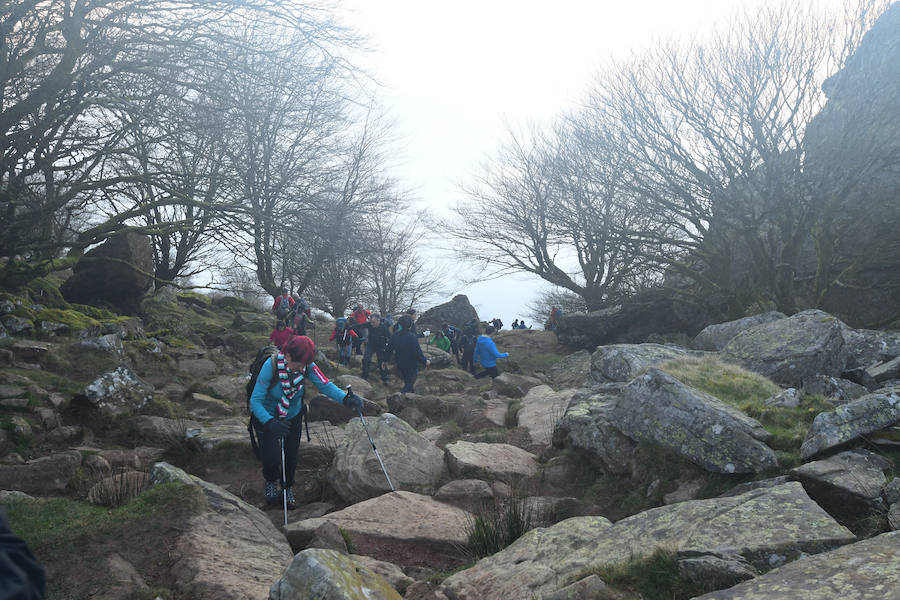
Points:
(492, 371)
(270, 450)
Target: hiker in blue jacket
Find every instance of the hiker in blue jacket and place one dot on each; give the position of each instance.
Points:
(405, 345)
(486, 354)
(276, 405)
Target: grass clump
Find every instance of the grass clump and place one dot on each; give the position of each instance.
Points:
(652, 577)
(62, 524)
(496, 526)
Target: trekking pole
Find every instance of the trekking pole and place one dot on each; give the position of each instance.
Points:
(378, 456)
(283, 482)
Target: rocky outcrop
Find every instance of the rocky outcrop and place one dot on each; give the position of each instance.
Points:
(400, 527)
(839, 391)
(412, 462)
(116, 393)
(117, 272)
(622, 362)
(793, 350)
(232, 546)
(867, 569)
(764, 527)
(457, 313)
(851, 421)
(587, 427)
(330, 575)
(656, 407)
(493, 462)
(541, 410)
(715, 337)
(467, 494)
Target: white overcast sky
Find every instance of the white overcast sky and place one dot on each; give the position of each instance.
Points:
(452, 73)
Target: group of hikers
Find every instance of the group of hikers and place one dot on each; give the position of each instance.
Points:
(277, 386)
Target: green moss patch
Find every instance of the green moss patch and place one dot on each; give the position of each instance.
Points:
(73, 319)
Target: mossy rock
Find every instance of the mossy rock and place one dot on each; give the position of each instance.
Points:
(232, 303)
(195, 299)
(45, 291)
(76, 321)
(95, 312)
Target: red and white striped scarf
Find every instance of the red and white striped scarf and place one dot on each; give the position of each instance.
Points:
(291, 383)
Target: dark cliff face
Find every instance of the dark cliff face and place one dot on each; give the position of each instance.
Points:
(853, 161)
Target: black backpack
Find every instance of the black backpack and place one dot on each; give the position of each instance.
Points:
(256, 366)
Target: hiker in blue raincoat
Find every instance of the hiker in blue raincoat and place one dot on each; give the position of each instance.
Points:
(486, 354)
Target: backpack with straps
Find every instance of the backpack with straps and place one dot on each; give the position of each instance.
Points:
(256, 366)
(284, 307)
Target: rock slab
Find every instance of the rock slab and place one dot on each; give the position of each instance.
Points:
(330, 575)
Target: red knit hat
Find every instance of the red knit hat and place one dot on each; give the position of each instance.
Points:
(301, 349)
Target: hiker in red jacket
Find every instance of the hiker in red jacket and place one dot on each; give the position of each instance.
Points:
(358, 319)
(283, 305)
(281, 335)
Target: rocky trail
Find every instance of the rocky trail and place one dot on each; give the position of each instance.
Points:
(758, 459)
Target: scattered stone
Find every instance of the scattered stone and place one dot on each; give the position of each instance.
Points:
(412, 462)
(11, 391)
(118, 392)
(867, 348)
(29, 350)
(7, 496)
(50, 419)
(866, 569)
(391, 573)
(467, 494)
(490, 461)
(439, 359)
(108, 344)
(886, 371)
(542, 409)
(743, 488)
(512, 385)
(839, 391)
(849, 482)
(199, 368)
(589, 588)
(160, 430)
(229, 388)
(715, 337)
(687, 490)
(330, 575)
(485, 414)
(892, 491)
(20, 427)
(717, 570)
(66, 434)
(851, 421)
(789, 398)
(400, 527)
(360, 385)
(18, 403)
(17, 326)
(793, 350)
(43, 476)
(893, 516)
(328, 537)
(209, 406)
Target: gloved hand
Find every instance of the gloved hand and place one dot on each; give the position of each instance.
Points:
(353, 401)
(278, 427)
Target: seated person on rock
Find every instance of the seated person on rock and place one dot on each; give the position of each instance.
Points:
(276, 405)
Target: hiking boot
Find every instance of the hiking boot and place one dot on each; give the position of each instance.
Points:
(291, 501)
(271, 492)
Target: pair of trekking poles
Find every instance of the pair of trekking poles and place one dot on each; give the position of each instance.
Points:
(371, 441)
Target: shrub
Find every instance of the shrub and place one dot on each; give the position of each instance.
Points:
(496, 526)
(118, 490)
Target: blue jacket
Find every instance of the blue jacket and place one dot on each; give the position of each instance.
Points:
(266, 395)
(409, 352)
(486, 353)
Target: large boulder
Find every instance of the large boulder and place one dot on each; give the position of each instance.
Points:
(542, 408)
(400, 527)
(117, 272)
(715, 337)
(622, 362)
(457, 312)
(587, 427)
(330, 575)
(231, 546)
(793, 350)
(764, 527)
(116, 393)
(860, 571)
(852, 421)
(412, 462)
(655, 407)
(438, 358)
(493, 462)
(867, 348)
